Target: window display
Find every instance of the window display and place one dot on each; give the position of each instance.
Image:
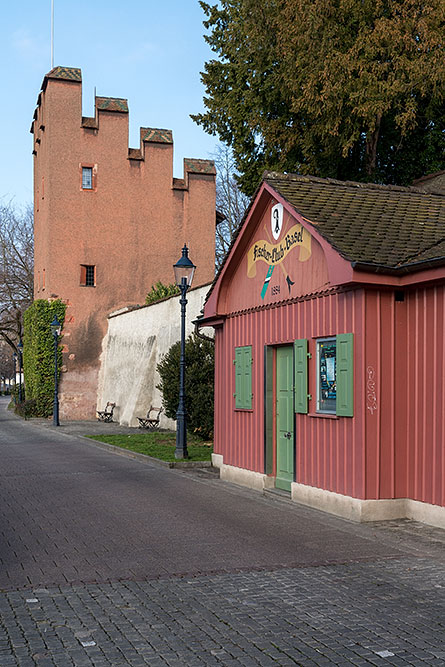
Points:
(326, 375)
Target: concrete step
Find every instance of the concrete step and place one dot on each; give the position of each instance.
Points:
(277, 494)
(210, 472)
(207, 472)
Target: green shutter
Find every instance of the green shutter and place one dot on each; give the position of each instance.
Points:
(238, 376)
(243, 377)
(345, 375)
(248, 377)
(300, 365)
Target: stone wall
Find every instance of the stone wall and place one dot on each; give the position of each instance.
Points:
(133, 346)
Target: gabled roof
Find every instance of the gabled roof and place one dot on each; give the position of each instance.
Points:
(112, 104)
(384, 229)
(65, 73)
(198, 166)
(156, 135)
(379, 227)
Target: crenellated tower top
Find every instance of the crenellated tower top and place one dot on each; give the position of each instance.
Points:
(115, 105)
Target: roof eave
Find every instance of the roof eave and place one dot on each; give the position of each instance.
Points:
(412, 267)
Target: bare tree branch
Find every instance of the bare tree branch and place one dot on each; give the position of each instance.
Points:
(16, 270)
(230, 201)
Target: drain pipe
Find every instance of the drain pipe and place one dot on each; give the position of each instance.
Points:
(201, 335)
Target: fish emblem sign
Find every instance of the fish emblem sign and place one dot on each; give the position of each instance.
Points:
(273, 251)
(276, 220)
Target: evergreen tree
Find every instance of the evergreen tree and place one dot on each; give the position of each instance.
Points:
(199, 383)
(350, 89)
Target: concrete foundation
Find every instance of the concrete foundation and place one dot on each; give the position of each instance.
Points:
(354, 509)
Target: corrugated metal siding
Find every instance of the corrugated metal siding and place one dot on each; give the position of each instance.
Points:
(394, 446)
(404, 427)
(380, 371)
(329, 452)
(425, 465)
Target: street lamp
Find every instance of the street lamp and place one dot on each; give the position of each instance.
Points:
(56, 328)
(14, 357)
(20, 349)
(184, 270)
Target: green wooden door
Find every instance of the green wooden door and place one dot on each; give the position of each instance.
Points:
(285, 417)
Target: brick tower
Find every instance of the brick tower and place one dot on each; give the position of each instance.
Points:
(110, 221)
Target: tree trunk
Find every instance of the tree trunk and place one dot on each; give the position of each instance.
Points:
(371, 147)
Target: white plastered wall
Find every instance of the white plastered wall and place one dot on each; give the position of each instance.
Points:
(134, 344)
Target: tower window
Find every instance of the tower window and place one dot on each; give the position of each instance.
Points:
(87, 178)
(87, 275)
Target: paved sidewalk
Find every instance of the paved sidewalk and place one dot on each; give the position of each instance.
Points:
(110, 561)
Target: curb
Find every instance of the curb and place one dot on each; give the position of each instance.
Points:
(145, 458)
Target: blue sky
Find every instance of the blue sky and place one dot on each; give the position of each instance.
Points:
(149, 52)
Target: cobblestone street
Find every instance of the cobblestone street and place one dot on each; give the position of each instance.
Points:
(110, 561)
(389, 612)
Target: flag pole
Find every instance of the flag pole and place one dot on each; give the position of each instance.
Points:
(52, 34)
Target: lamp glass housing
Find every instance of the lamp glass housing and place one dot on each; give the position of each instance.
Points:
(184, 268)
(56, 327)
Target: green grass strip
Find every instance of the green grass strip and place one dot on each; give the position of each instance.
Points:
(158, 445)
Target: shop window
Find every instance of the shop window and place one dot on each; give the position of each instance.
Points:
(87, 178)
(87, 275)
(326, 375)
(243, 378)
(334, 375)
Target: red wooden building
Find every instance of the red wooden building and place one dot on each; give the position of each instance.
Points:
(329, 317)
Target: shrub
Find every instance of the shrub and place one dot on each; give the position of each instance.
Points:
(15, 392)
(27, 409)
(199, 379)
(160, 291)
(38, 353)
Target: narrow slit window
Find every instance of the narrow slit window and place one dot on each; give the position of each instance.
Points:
(87, 178)
(88, 275)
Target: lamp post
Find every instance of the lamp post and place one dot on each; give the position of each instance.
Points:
(14, 357)
(20, 349)
(55, 329)
(184, 270)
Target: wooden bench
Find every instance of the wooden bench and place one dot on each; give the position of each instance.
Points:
(107, 414)
(151, 423)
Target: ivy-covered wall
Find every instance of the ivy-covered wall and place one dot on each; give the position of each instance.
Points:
(38, 353)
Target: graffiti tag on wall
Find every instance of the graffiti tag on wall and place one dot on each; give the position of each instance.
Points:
(371, 395)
